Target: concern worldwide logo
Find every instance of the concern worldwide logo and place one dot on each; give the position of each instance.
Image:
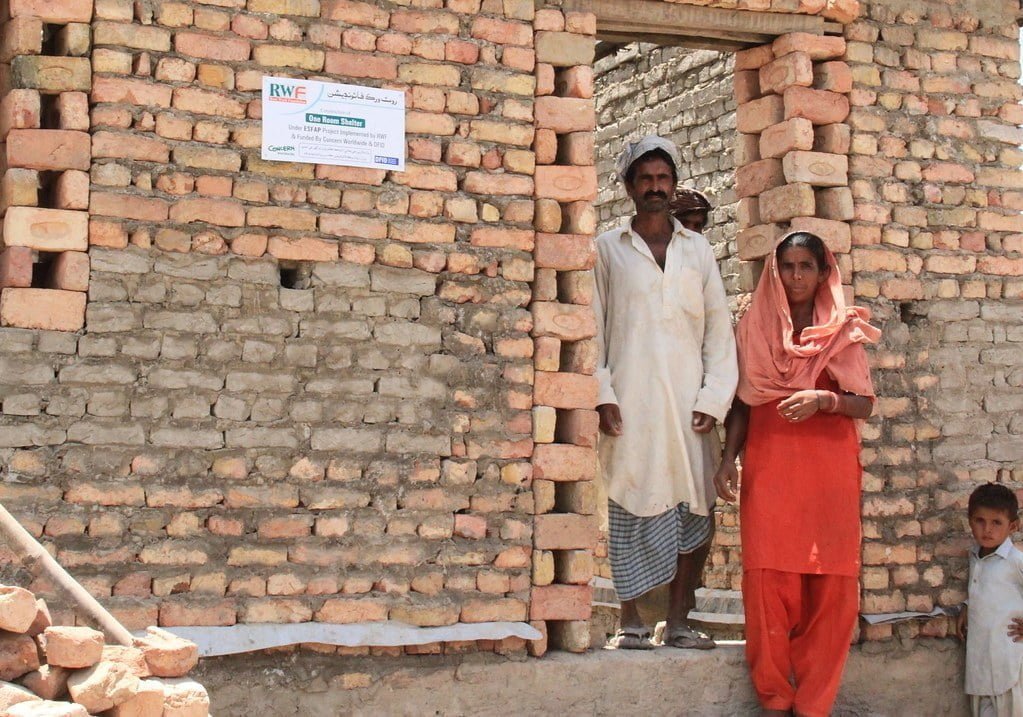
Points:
(282, 92)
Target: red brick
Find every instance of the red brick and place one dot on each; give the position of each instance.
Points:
(777, 140)
(818, 47)
(502, 32)
(746, 86)
(350, 64)
(73, 111)
(21, 36)
(19, 109)
(757, 115)
(836, 203)
(129, 146)
(18, 654)
(350, 225)
(754, 58)
(460, 51)
(787, 201)
(46, 229)
(356, 13)
(48, 149)
(136, 92)
(212, 47)
(833, 138)
(565, 114)
(71, 271)
(192, 612)
(563, 462)
(356, 175)
(128, 206)
(16, 267)
(564, 252)
(836, 235)
(758, 241)
(816, 168)
(564, 390)
(564, 531)
(577, 427)
(560, 602)
(567, 322)
(424, 22)
(47, 309)
(834, 76)
(191, 99)
(566, 184)
(222, 212)
(752, 179)
(302, 248)
(521, 239)
(57, 12)
(497, 610)
(818, 106)
(107, 234)
(349, 610)
(795, 69)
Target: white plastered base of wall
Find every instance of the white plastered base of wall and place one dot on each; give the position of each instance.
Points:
(234, 639)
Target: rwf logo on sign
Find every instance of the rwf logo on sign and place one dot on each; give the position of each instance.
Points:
(281, 92)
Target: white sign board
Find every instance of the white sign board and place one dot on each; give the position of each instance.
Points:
(329, 123)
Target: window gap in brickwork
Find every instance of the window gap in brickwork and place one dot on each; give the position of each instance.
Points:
(43, 270)
(49, 112)
(50, 33)
(47, 191)
(296, 275)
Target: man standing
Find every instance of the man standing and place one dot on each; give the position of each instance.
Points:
(667, 372)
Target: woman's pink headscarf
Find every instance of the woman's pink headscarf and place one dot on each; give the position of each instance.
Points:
(773, 366)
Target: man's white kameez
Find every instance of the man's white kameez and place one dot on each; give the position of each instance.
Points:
(666, 349)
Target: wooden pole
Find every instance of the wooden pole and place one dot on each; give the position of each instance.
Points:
(37, 560)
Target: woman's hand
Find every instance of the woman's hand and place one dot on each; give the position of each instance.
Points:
(961, 620)
(610, 419)
(800, 406)
(726, 480)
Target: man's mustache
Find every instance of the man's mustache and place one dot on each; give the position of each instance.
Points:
(650, 195)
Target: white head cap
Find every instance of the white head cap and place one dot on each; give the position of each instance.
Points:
(635, 150)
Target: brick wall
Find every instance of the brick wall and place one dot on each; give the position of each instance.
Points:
(934, 172)
(297, 392)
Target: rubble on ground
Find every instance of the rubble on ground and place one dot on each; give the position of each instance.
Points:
(51, 670)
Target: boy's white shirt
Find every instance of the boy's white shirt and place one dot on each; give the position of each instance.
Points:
(665, 349)
(993, 661)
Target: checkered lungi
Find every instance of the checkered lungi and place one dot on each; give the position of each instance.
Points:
(644, 550)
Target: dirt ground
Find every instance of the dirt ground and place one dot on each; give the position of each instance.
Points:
(920, 678)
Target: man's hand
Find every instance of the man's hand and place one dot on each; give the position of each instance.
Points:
(702, 423)
(610, 419)
(799, 406)
(1016, 629)
(962, 619)
(726, 480)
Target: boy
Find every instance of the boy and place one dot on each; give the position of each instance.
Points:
(994, 640)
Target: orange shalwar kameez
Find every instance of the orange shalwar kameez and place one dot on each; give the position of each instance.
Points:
(800, 524)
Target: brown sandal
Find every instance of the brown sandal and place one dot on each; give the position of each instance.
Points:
(686, 638)
(630, 638)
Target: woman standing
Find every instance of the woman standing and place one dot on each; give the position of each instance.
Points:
(804, 381)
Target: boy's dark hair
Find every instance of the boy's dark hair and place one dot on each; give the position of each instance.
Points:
(630, 173)
(811, 242)
(994, 496)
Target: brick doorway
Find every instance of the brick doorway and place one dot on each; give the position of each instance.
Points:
(694, 74)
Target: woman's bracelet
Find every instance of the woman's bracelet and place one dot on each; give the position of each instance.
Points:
(827, 401)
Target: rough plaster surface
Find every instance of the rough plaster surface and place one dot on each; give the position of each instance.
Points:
(880, 679)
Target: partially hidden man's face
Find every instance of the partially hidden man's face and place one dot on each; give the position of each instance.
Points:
(693, 221)
(652, 185)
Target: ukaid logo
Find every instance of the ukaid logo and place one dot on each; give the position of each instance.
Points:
(287, 92)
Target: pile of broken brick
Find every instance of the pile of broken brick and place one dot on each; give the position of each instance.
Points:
(58, 671)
